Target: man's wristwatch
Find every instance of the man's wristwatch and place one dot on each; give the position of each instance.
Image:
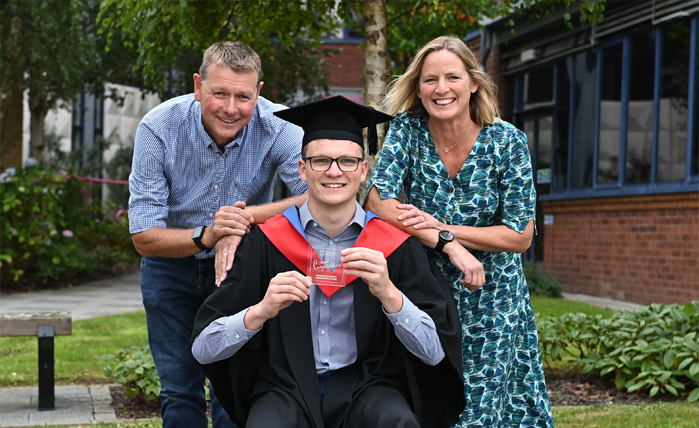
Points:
(196, 237)
(445, 237)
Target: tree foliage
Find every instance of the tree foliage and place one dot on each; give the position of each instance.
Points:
(174, 35)
(51, 48)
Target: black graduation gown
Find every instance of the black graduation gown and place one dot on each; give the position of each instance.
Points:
(280, 357)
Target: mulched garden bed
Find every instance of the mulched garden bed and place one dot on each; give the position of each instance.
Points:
(591, 390)
(573, 390)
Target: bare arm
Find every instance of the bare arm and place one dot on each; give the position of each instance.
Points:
(460, 257)
(262, 213)
(499, 238)
(225, 248)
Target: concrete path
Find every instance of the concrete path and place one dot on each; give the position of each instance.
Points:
(106, 297)
(80, 404)
(75, 404)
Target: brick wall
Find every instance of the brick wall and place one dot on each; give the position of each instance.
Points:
(643, 249)
(347, 66)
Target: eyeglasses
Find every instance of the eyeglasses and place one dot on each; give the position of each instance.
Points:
(323, 163)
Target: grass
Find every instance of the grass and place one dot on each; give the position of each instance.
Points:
(557, 307)
(77, 357)
(661, 415)
(78, 360)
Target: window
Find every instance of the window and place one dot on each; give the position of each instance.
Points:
(538, 87)
(639, 139)
(610, 114)
(560, 173)
(584, 66)
(674, 97)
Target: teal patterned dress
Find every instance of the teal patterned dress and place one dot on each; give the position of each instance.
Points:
(503, 374)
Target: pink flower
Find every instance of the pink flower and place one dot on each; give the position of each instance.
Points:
(68, 233)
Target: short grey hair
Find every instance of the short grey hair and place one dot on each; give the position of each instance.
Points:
(234, 55)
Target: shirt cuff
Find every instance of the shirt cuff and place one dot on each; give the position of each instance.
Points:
(408, 318)
(235, 327)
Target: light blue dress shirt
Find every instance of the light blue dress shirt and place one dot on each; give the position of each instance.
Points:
(332, 318)
(180, 178)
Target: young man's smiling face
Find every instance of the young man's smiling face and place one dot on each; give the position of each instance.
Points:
(332, 189)
(228, 100)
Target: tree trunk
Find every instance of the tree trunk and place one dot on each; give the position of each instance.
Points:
(38, 111)
(376, 70)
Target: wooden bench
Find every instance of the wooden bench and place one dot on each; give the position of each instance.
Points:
(44, 325)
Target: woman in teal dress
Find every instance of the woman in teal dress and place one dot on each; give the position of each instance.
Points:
(470, 199)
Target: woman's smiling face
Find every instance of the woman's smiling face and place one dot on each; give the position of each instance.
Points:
(445, 87)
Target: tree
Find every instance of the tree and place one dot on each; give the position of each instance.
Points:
(51, 48)
(286, 35)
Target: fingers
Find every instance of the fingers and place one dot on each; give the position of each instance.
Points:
(370, 265)
(290, 286)
(470, 267)
(232, 220)
(225, 255)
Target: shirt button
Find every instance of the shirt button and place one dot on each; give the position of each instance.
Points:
(325, 360)
(322, 332)
(331, 242)
(216, 187)
(220, 159)
(237, 336)
(407, 320)
(325, 302)
(451, 188)
(211, 214)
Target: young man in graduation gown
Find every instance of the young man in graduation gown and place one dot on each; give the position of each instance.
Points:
(331, 317)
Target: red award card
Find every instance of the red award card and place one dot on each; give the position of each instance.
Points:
(324, 266)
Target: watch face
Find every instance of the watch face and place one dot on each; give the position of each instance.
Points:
(446, 235)
(197, 232)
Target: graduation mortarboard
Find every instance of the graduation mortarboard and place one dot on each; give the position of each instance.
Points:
(336, 118)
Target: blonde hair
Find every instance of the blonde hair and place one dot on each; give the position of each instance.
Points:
(234, 55)
(402, 95)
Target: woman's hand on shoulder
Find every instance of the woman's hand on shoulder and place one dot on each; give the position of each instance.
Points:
(418, 219)
(470, 267)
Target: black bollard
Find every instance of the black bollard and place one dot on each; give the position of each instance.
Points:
(46, 390)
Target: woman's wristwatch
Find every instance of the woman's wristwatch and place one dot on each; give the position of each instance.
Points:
(445, 237)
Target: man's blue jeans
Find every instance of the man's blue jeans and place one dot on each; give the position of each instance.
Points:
(173, 290)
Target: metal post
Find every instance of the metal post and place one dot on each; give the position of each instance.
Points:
(46, 390)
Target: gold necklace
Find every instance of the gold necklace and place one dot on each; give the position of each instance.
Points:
(446, 149)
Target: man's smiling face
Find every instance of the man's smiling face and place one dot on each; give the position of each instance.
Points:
(332, 189)
(228, 100)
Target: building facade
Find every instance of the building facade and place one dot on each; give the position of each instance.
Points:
(612, 120)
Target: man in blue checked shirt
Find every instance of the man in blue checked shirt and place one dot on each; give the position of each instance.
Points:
(203, 173)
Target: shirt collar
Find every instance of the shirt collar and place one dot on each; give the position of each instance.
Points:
(359, 216)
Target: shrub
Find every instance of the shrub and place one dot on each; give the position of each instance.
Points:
(654, 349)
(541, 284)
(136, 371)
(49, 232)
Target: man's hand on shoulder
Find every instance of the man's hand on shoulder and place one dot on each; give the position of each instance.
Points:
(370, 265)
(233, 220)
(284, 289)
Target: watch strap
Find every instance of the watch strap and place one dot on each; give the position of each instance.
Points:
(197, 240)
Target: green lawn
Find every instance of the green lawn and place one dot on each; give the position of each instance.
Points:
(662, 415)
(557, 307)
(77, 357)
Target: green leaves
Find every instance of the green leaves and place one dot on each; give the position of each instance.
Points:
(136, 371)
(49, 232)
(654, 348)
